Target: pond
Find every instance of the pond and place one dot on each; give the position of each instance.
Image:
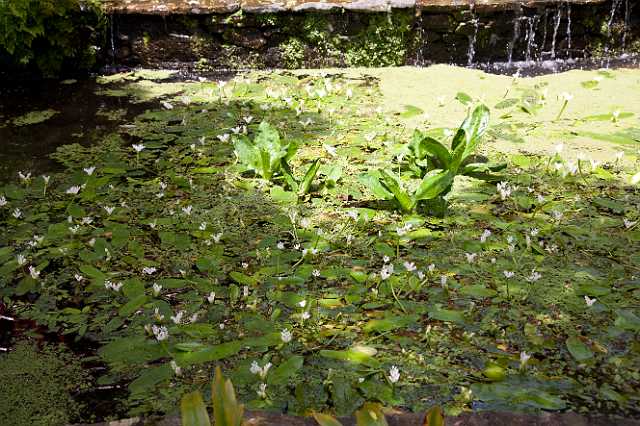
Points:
(327, 237)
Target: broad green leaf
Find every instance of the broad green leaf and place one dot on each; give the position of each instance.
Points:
(463, 98)
(284, 197)
(447, 315)
(435, 149)
(150, 377)
(326, 420)
(578, 349)
(210, 353)
(371, 415)
(226, 409)
(474, 126)
(307, 180)
(391, 183)
(477, 290)
(388, 324)
(281, 374)
(131, 306)
(356, 354)
(193, 412)
(435, 183)
(371, 181)
(243, 279)
(434, 417)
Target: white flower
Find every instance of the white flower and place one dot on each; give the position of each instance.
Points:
(255, 368)
(187, 210)
(138, 147)
(628, 223)
(305, 315)
(315, 273)
(87, 220)
(535, 276)
(261, 371)
(24, 177)
(35, 274)
(236, 130)
(177, 370)
(46, 179)
(3, 201)
(74, 190)
(404, 229)
(394, 374)
(385, 259)
(244, 265)
(211, 297)
(557, 215)
(262, 391)
(485, 234)
(224, 137)
(112, 286)
(349, 238)
(160, 195)
(443, 281)
(280, 245)
(157, 288)
(74, 229)
(217, 237)
(567, 97)
(160, 332)
(524, 357)
(78, 277)
(153, 224)
(504, 189)
(193, 318)
(410, 266)
(302, 303)
(441, 100)
(508, 274)
(471, 257)
(109, 210)
(286, 336)
(534, 232)
(559, 148)
(331, 150)
(21, 259)
(248, 119)
(157, 314)
(349, 93)
(89, 170)
(386, 272)
(305, 222)
(177, 318)
(619, 155)
(149, 270)
(589, 301)
(431, 267)
(166, 105)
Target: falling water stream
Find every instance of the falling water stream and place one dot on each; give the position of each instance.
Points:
(556, 26)
(516, 35)
(471, 51)
(421, 40)
(532, 25)
(568, 50)
(612, 15)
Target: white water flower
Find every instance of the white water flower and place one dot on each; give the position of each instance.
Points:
(87, 220)
(248, 119)
(78, 277)
(35, 274)
(628, 224)
(157, 314)
(386, 272)
(262, 391)
(177, 370)
(349, 93)
(331, 150)
(535, 276)
(404, 229)
(394, 374)
(315, 273)
(302, 303)
(286, 336)
(431, 267)
(443, 281)
(524, 358)
(3, 201)
(589, 301)
(224, 137)
(187, 210)
(211, 297)
(280, 245)
(157, 288)
(138, 147)
(74, 190)
(508, 274)
(559, 148)
(557, 215)
(471, 257)
(149, 270)
(305, 315)
(160, 332)
(89, 170)
(24, 177)
(74, 229)
(410, 266)
(566, 96)
(534, 232)
(485, 234)
(21, 259)
(46, 179)
(109, 209)
(177, 318)
(260, 371)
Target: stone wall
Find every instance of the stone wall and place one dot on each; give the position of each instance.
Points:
(214, 34)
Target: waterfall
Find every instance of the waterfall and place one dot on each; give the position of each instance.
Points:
(471, 51)
(531, 35)
(113, 41)
(556, 26)
(516, 35)
(627, 22)
(545, 22)
(568, 51)
(612, 15)
(421, 41)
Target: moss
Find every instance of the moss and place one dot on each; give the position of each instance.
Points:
(292, 52)
(37, 387)
(383, 42)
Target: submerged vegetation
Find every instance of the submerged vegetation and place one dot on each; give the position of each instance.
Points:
(236, 224)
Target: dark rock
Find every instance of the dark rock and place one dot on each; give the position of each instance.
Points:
(250, 38)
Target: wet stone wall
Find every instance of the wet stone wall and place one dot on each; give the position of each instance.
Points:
(207, 36)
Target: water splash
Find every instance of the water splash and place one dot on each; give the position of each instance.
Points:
(612, 15)
(627, 23)
(545, 22)
(568, 50)
(556, 27)
(113, 38)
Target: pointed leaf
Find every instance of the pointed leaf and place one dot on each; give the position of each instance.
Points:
(226, 410)
(305, 185)
(433, 184)
(578, 349)
(371, 415)
(372, 182)
(434, 417)
(392, 185)
(193, 411)
(435, 149)
(326, 420)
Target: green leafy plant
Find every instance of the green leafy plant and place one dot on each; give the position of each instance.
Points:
(268, 156)
(226, 409)
(371, 414)
(438, 165)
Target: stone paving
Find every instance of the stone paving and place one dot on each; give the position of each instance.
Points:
(166, 7)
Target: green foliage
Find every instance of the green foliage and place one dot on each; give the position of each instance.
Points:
(292, 52)
(37, 386)
(49, 33)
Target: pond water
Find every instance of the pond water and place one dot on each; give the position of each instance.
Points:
(164, 245)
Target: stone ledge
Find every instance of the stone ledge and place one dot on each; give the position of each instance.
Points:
(185, 7)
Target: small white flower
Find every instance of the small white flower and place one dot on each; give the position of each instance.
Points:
(524, 358)
(35, 274)
(315, 273)
(74, 229)
(87, 220)
(157, 288)
(485, 234)
(305, 222)
(46, 179)
(193, 318)
(74, 190)
(349, 93)
(302, 303)
(211, 297)
(138, 147)
(177, 370)
(628, 224)
(443, 281)
(385, 259)
(109, 209)
(331, 150)
(89, 170)
(286, 336)
(559, 148)
(535, 276)
(157, 314)
(540, 199)
(160, 332)
(349, 238)
(534, 232)
(149, 270)
(410, 266)
(557, 215)
(305, 315)
(187, 210)
(217, 237)
(153, 224)
(589, 301)
(394, 374)
(224, 137)
(255, 368)
(177, 318)
(166, 105)
(78, 277)
(245, 265)
(471, 257)
(280, 245)
(619, 155)
(421, 275)
(248, 119)
(21, 259)
(567, 97)
(386, 271)
(431, 267)
(262, 391)
(3, 201)
(353, 214)
(508, 274)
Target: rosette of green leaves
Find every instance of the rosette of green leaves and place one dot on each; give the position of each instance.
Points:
(438, 165)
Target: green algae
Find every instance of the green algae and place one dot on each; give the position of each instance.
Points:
(34, 117)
